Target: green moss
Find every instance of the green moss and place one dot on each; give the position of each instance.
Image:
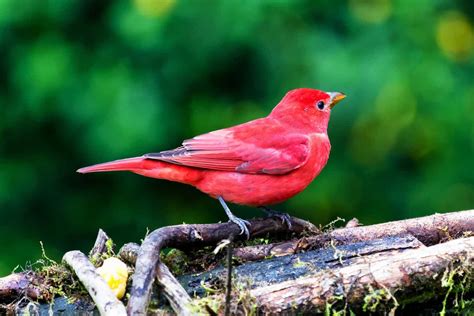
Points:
(374, 299)
(332, 225)
(99, 258)
(243, 303)
(458, 282)
(176, 260)
(330, 309)
(56, 279)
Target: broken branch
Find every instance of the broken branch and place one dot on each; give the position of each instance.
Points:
(100, 245)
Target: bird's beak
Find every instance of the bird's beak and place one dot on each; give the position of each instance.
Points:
(335, 97)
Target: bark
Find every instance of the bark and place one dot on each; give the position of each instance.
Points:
(178, 298)
(148, 259)
(415, 272)
(281, 269)
(100, 246)
(20, 284)
(430, 230)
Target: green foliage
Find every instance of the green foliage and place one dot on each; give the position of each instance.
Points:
(84, 82)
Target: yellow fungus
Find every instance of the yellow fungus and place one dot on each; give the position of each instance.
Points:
(115, 273)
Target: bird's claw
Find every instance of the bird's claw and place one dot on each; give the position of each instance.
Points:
(242, 223)
(285, 217)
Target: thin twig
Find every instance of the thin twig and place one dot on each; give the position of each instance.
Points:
(228, 289)
(105, 300)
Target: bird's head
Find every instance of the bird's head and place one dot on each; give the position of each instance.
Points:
(307, 109)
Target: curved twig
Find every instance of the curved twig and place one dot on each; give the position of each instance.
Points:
(190, 235)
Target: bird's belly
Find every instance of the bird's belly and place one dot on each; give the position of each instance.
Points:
(250, 189)
(256, 189)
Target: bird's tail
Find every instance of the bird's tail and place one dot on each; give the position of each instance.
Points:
(149, 168)
(128, 164)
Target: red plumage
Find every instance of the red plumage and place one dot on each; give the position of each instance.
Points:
(261, 162)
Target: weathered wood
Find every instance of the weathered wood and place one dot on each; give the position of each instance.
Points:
(191, 235)
(327, 268)
(284, 268)
(330, 266)
(58, 306)
(430, 230)
(20, 284)
(105, 300)
(414, 272)
(178, 298)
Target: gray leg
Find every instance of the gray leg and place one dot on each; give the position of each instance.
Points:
(285, 217)
(242, 223)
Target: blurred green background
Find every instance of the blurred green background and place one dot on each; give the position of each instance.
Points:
(83, 82)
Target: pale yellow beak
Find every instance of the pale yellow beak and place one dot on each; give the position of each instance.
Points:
(335, 98)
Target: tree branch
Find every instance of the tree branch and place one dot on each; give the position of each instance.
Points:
(185, 236)
(415, 272)
(430, 230)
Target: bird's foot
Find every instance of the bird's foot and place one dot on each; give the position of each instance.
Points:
(285, 217)
(242, 223)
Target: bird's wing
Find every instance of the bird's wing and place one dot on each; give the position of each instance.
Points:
(255, 147)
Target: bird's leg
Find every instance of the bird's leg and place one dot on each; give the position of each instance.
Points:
(285, 217)
(242, 223)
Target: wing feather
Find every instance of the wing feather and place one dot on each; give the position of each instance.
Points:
(248, 148)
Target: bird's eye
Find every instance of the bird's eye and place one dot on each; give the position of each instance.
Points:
(320, 105)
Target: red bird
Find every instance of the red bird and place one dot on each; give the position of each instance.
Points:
(258, 163)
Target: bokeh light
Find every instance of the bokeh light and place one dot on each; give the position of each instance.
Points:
(371, 11)
(455, 35)
(154, 7)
